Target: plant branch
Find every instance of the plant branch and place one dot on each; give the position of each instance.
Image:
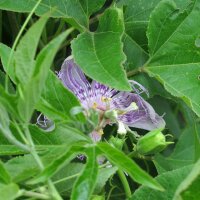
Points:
(124, 183)
(135, 71)
(35, 195)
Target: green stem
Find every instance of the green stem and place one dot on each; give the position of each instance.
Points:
(35, 195)
(9, 136)
(20, 132)
(16, 42)
(135, 71)
(124, 183)
(66, 178)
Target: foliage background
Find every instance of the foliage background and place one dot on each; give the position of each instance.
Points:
(158, 44)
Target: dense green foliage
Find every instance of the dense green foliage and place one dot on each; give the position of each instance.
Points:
(156, 43)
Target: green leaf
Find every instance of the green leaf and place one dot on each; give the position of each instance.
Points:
(175, 60)
(100, 55)
(10, 150)
(133, 50)
(9, 192)
(56, 101)
(9, 101)
(57, 164)
(188, 188)
(172, 19)
(4, 175)
(129, 166)
(21, 168)
(85, 183)
(169, 180)
(136, 18)
(64, 179)
(103, 176)
(4, 118)
(26, 50)
(4, 55)
(78, 11)
(30, 93)
(183, 154)
(62, 134)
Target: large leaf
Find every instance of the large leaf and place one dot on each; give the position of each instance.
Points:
(100, 53)
(129, 166)
(30, 93)
(169, 180)
(175, 52)
(85, 183)
(73, 10)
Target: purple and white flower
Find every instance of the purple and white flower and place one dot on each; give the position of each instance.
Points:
(128, 108)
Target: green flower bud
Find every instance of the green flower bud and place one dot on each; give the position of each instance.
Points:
(151, 143)
(116, 142)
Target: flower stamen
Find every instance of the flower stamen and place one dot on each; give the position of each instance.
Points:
(133, 106)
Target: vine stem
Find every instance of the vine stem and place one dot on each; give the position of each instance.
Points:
(135, 71)
(124, 183)
(17, 40)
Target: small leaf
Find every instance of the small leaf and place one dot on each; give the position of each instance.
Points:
(103, 176)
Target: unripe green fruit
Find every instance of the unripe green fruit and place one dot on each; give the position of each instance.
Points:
(151, 143)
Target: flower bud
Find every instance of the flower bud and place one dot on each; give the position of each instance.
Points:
(153, 142)
(116, 142)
